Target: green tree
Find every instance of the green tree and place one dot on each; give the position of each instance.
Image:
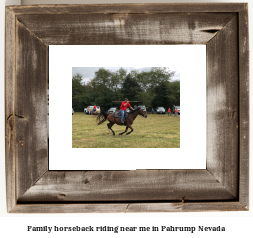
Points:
(102, 79)
(161, 92)
(78, 89)
(130, 88)
(158, 75)
(154, 85)
(167, 94)
(173, 93)
(153, 88)
(104, 100)
(77, 85)
(118, 78)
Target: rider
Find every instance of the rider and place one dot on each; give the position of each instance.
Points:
(94, 108)
(123, 108)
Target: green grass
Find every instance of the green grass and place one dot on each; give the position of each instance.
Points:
(155, 131)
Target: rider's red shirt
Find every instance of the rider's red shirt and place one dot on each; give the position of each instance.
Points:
(95, 107)
(122, 107)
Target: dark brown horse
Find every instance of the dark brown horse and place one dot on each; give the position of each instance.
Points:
(103, 116)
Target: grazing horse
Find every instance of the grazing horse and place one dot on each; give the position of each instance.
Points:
(103, 116)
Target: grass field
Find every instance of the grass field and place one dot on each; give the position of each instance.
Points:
(155, 131)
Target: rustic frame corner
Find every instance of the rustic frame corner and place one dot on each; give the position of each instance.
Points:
(223, 186)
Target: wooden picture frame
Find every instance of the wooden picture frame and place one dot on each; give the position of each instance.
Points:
(222, 186)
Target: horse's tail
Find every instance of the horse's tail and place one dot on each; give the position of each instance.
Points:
(102, 117)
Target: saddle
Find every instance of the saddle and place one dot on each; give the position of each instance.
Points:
(118, 114)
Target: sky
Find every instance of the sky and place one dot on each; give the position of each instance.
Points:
(89, 72)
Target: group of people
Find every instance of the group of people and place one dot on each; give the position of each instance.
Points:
(176, 112)
(169, 112)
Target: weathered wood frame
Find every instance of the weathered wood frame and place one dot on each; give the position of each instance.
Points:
(222, 186)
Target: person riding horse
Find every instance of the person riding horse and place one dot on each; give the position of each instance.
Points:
(124, 105)
(94, 108)
(103, 116)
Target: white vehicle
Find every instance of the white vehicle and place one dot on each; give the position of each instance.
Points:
(143, 108)
(112, 110)
(160, 110)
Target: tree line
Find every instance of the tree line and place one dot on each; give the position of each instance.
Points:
(153, 88)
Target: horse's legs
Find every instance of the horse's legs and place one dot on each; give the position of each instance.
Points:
(109, 130)
(124, 131)
(109, 125)
(131, 130)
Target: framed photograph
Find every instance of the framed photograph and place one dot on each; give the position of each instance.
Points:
(34, 187)
(168, 137)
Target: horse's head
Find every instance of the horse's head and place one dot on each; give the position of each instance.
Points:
(142, 113)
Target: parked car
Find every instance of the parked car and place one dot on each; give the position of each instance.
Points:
(112, 110)
(72, 111)
(143, 108)
(178, 108)
(160, 110)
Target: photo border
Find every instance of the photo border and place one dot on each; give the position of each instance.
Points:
(223, 186)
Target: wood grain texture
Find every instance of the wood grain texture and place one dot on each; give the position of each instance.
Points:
(244, 106)
(30, 109)
(186, 207)
(140, 185)
(129, 207)
(154, 8)
(9, 108)
(122, 29)
(222, 107)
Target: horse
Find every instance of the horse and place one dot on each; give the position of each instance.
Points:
(103, 116)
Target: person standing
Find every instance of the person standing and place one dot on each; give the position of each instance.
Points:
(152, 110)
(169, 112)
(124, 105)
(94, 108)
(176, 112)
